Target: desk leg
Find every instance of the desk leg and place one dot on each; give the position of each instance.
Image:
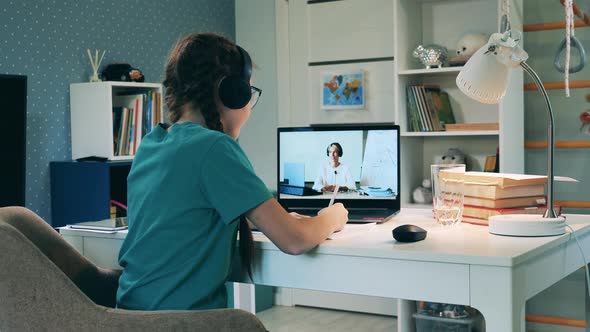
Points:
(405, 321)
(244, 297)
(587, 304)
(497, 295)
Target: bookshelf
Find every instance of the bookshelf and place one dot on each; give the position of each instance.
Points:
(379, 38)
(444, 22)
(91, 106)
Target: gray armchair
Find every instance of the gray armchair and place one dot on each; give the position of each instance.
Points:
(46, 285)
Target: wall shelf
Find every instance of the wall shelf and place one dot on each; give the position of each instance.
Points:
(432, 71)
(450, 133)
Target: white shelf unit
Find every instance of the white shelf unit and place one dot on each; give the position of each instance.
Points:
(379, 37)
(91, 107)
(444, 23)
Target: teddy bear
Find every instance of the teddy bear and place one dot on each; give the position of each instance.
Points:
(423, 194)
(454, 156)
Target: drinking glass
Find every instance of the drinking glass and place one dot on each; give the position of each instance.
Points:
(448, 181)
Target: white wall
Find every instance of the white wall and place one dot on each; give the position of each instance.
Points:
(255, 32)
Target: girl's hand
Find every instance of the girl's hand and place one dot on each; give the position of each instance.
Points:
(337, 213)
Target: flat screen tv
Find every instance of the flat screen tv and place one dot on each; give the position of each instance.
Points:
(13, 112)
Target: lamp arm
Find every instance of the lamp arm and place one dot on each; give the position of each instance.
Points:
(550, 213)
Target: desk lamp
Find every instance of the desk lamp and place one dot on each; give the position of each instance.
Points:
(485, 78)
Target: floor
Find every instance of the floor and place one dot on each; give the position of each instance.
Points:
(305, 319)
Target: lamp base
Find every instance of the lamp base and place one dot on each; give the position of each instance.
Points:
(526, 225)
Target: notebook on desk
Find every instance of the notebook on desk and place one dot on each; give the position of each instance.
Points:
(364, 159)
(106, 225)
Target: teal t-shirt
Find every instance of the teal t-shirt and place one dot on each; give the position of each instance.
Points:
(186, 190)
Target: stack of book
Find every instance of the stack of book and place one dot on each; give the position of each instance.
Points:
(490, 194)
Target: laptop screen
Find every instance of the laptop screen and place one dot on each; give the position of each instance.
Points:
(362, 160)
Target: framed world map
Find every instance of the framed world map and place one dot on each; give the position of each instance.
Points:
(342, 90)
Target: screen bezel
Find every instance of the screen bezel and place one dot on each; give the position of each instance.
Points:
(294, 203)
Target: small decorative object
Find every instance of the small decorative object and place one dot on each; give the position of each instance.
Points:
(95, 63)
(431, 55)
(466, 46)
(423, 194)
(454, 156)
(123, 72)
(470, 43)
(585, 119)
(343, 90)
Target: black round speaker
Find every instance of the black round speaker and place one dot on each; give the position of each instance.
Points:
(235, 91)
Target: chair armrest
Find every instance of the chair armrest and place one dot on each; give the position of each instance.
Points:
(219, 320)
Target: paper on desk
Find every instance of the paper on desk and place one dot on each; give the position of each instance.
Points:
(351, 230)
(519, 176)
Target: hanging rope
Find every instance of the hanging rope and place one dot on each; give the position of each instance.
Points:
(569, 33)
(505, 24)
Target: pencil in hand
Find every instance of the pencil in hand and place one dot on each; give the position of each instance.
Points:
(336, 188)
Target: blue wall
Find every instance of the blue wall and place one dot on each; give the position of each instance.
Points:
(47, 41)
(541, 47)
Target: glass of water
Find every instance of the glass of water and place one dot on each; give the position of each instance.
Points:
(448, 181)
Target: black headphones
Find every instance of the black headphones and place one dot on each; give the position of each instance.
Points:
(235, 91)
(337, 145)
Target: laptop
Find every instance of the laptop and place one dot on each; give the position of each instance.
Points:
(362, 160)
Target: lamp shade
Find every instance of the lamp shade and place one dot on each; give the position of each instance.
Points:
(484, 78)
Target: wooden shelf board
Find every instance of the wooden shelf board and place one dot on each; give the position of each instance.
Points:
(579, 84)
(558, 145)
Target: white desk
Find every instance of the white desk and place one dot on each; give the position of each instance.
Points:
(464, 265)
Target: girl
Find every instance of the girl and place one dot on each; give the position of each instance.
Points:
(191, 184)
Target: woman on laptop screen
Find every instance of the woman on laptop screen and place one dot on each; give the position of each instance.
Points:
(334, 172)
(191, 186)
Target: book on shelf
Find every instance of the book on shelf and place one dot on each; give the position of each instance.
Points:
(495, 192)
(505, 202)
(428, 92)
(443, 109)
(490, 164)
(472, 126)
(486, 213)
(419, 108)
(423, 107)
(413, 120)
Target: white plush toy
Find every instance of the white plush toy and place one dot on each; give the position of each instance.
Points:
(423, 194)
(470, 43)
